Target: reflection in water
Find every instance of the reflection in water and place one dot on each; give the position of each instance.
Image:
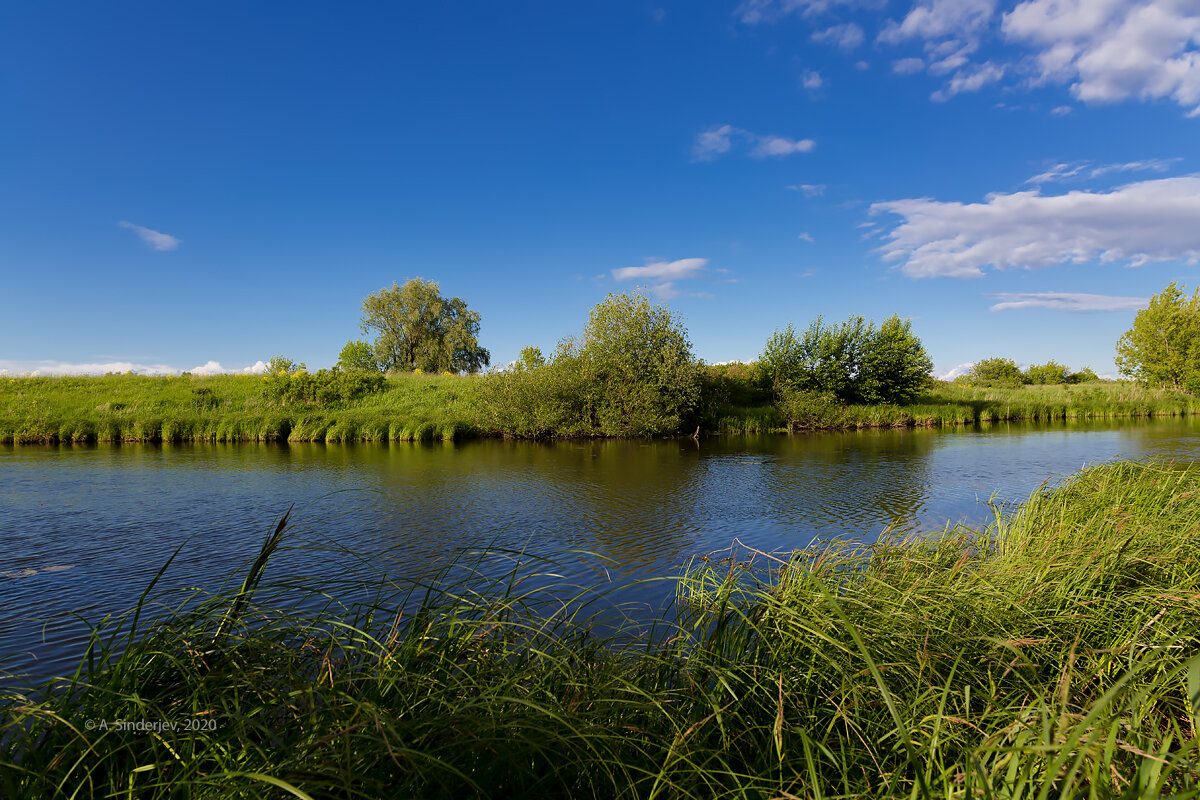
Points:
(605, 511)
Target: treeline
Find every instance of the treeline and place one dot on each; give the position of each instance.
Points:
(1005, 372)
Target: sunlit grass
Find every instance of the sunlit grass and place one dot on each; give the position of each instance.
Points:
(1053, 654)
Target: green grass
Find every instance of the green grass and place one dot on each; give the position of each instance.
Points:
(228, 408)
(231, 408)
(1053, 654)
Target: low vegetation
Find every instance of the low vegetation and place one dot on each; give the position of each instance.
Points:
(1053, 654)
(361, 407)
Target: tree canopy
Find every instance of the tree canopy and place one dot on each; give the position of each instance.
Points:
(1163, 346)
(417, 328)
(853, 360)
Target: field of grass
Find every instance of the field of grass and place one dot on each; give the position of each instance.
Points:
(230, 408)
(1052, 654)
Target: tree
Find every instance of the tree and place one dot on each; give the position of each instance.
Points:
(1163, 346)
(417, 328)
(282, 365)
(996, 372)
(1050, 372)
(530, 358)
(358, 356)
(895, 366)
(853, 361)
(637, 362)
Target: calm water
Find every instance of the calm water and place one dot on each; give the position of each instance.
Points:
(83, 529)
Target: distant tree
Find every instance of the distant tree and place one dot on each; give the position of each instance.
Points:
(996, 372)
(283, 365)
(895, 366)
(531, 358)
(417, 328)
(1050, 372)
(1163, 346)
(358, 356)
(1085, 375)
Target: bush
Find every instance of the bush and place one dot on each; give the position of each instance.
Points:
(1085, 375)
(810, 409)
(323, 388)
(358, 356)
(631, 374)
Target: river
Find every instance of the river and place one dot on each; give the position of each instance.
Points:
(84, 529)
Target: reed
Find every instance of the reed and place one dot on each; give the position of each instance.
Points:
(1051, 654)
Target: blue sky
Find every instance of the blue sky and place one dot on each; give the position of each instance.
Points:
(186, 184)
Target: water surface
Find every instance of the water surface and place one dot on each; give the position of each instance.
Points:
(83, 529)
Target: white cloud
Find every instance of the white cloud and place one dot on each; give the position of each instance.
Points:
(775, 146)
(812, 80)
(663, 276)
(806, 236)
(937, 19)
(1061, 111)
(1139, 223)
(954, 372)
(753, 12)
(209, 368)
(49, 367)
(969, 81)
(846, 36)
(713, 142)
(36, 368)
(663, 270)
(1067, 301)
(717, 141)
(1112, 50)
(1085, 169)
(808, 189)
(908, 66)
(153, 239)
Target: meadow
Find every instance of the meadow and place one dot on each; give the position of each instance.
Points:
(1053, 653)
(413, 407)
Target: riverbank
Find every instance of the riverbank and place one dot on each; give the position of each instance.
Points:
(1052, 654)
(231, 408)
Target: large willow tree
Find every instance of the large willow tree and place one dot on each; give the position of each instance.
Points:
(416, 328)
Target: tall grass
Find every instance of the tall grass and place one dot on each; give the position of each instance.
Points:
(228, 408)
(1052, 654)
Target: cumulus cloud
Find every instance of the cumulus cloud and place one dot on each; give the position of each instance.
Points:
(717, 141)
(1067, 301)
(812, 80)
(1116, 49)
(37, 368)
(1139, 223)
(808, 189)
(954, 372)
(847, 36)
(257, 368)
(155, 240)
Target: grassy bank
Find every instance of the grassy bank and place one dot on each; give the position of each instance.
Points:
(231, 408)
(1054, 654)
